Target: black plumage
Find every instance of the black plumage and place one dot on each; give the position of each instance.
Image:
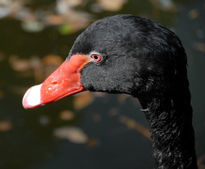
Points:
(146, 60)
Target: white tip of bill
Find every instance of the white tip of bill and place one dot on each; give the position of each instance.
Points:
(32, 97)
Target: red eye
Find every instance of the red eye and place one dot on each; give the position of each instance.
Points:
(96, 58)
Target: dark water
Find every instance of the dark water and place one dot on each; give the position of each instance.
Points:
(27, 138)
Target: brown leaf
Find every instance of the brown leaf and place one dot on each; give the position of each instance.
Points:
(82, 100)
(112, 5)
(19, 64)
(5, 126)
(73, 134)
(64, 6)
(99, 94)
(163, 5)
(55, 19)
(38, 69)
(130, 123)
(52, 60)
(123, 97)
(67, 115)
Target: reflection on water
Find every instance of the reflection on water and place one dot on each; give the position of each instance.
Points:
(89, 130)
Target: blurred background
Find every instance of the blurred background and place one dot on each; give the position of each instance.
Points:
(91, 130)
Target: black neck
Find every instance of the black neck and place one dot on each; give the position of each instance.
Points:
(170, 117)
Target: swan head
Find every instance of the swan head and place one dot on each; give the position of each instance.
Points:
(118, 54)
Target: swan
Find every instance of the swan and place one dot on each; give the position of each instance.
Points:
(139, 57)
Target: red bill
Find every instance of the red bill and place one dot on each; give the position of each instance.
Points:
(65, 81)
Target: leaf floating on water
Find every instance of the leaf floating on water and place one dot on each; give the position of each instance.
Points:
(55, 19)
(163, 4)
(38, 69)
(32, 26)
(112, 5)
(9, 7)
(5, 126)
(67, 115)
(123, 97)
(73, 134)
(82, 100)
(63, 6)
(4, 12)
(193, 14)
(130, 123)
(98, 94)
(19, 64)
(166, 4)
(52, 60)
(200, 47)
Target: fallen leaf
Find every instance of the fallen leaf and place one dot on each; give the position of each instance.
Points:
(32, 26)
(163, 5)
(73, 134)
(52, 60)
(38, 69)
(193, 14)
(67, 115)
(5, 126)
(200, 47)
(55, 19)
(63, 6)
(4, 12)
(74, 3)
(112, 5)
(123, 97)
(78, 20)
(82, 100)
(18, 64)
(166, 4)
(99, 94)
(130, 123)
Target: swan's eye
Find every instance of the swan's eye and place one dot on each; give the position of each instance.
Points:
(96, 58)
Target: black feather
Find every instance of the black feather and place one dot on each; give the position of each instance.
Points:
(144, 59)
